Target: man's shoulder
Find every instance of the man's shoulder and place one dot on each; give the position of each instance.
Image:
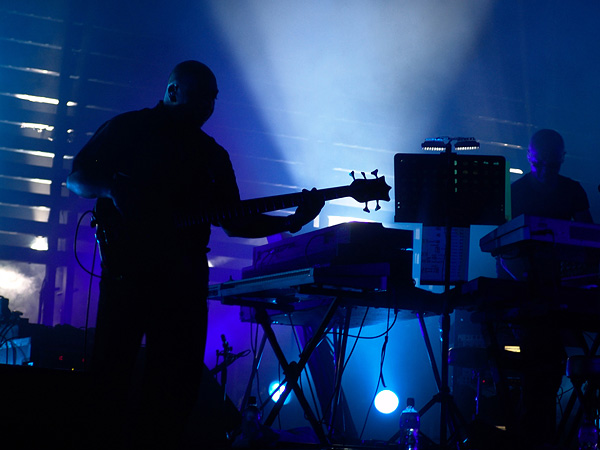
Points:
(210, 143)
(522, 183)
(138, 114)
(568, 181)
(127, 121)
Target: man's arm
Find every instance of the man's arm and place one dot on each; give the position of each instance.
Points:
(263, 225)
(89, 185)
(257, 226)
(94, 173)
(90, 176)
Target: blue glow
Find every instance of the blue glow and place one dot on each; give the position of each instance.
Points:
(352, 84)
(386, 402)
(276, 390)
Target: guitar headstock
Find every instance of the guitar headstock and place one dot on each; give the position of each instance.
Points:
(366, 190)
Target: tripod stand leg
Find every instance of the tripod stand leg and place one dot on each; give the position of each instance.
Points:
(430, 353)
(445, 389)
(450, 416)
(255, 365)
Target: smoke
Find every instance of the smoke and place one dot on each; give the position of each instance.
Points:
(21, 284)
(352, 81)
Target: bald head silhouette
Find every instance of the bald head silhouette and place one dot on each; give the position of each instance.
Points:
(546, 154)
(192, 91)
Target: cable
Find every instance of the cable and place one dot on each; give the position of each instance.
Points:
(345, 363)
(506, 269)
(380, 379)
(356, 340)
(87, 309)
(381, 334)
(369, 410)
(92, 275)
(382, 359)
(75, 245)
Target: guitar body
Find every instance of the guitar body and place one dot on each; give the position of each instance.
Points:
(112, 235)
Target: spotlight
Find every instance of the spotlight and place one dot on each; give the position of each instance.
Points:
(39, 243)
(386, 402)
(275, 391)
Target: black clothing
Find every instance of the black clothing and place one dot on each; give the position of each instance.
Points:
(540, 337)
(163, 169)
(528, 196)
(155, 275)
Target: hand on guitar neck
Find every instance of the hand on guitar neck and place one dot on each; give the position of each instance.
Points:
(246, 218)
(312, 204)
(262, 225)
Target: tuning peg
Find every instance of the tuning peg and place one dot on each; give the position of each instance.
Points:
(375, 172)
(366, 208)
(364, 176)
(377, 208)
(352, 175)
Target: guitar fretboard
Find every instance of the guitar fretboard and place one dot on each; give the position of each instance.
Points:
(361, 190)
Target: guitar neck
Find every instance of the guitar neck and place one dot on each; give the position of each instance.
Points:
(245, 208)
(361, 190)
(261, 205)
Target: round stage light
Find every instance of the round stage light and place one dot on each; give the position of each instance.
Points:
(276, 389)
(386, 402)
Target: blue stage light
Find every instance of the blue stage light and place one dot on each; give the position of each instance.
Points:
(386, 402)
(276, 390)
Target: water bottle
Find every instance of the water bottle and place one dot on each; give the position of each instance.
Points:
(251, 433)
(409, 426)
(251, 420)
(588, 435)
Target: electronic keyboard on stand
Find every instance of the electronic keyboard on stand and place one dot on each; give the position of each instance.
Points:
(324, 298)
(530, 228)
(364, 264)
(358, 286)
(331, 280)
(546, 290)
(547, 250)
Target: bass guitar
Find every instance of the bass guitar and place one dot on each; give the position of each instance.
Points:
(113, 238)
(362, 190)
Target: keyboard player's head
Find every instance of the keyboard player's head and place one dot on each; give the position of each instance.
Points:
(546, 154)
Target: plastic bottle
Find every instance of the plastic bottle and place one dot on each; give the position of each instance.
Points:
(251, 420)
(588, 436)
(409, 426)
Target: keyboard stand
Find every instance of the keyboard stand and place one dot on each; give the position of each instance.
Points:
(292, 369)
